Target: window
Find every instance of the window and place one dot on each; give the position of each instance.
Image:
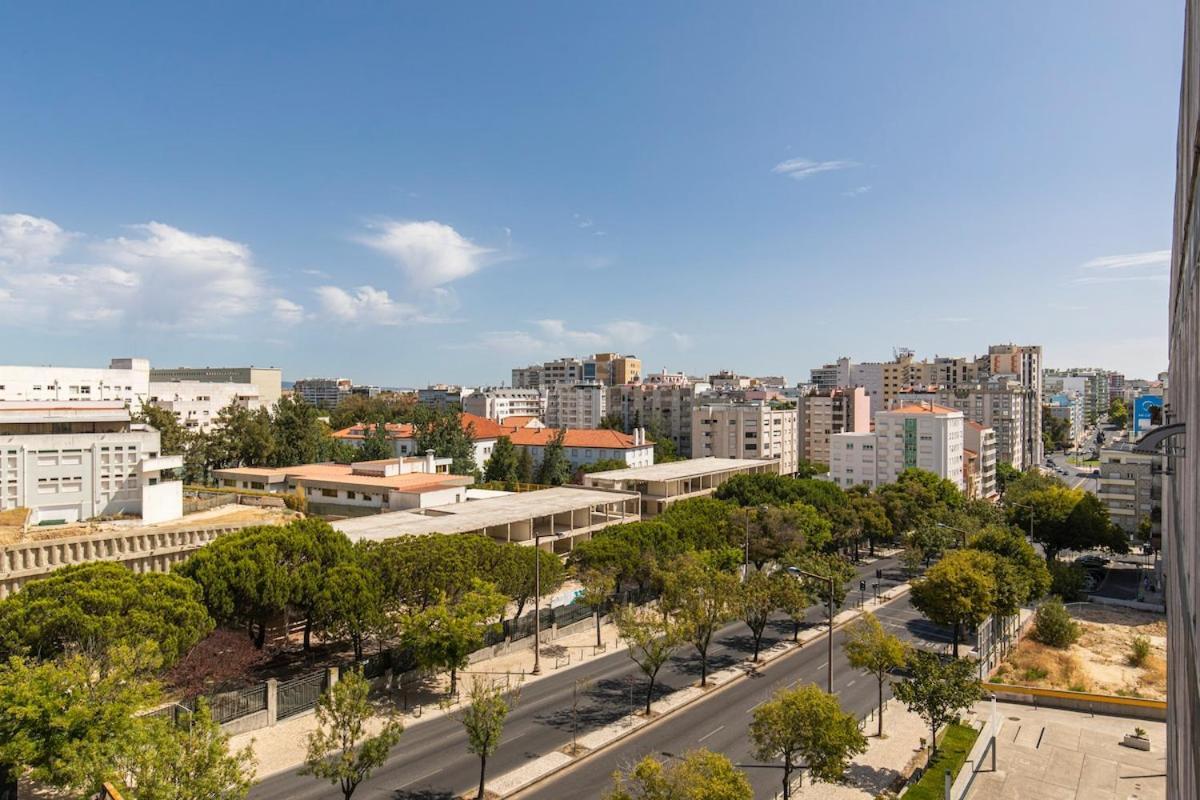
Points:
(329, 493)
(352, 496)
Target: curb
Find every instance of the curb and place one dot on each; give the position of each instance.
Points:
(742, 669)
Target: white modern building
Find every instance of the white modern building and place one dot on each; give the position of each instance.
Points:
(746, 431)
(125, 380)
(322, 392)
(498, 403)
(77, 461)
(267, 380)
(587, 446)
(661, 485)
(576, 405)
(926, 436)
(196, 405)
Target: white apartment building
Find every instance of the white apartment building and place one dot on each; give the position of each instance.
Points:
(928, 437)
(499, 404)
(824, 412)
(576, 405)
(745, 431)
(126, 380)
(322, 392)
(267, 380)
(1000, 405)
(83, 460)
(196, 405)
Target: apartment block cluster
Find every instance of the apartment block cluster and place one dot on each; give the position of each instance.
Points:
(70, 450)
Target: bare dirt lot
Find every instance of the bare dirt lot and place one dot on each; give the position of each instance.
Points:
(1101, 661)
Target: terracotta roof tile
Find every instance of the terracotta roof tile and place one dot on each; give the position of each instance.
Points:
(575, 437)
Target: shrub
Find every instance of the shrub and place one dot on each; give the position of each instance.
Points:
(1053, 626)
(1066, 581)
(1035, 673)
(1139, 651)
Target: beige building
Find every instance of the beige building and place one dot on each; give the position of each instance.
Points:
(746, 431)
(1130, 487)
(576, 405)
(979, 461)
(1000, 405)
(666, 407)
(661, 485)
(613, 369)
(824, 412)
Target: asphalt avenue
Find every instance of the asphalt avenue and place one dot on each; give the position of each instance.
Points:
(431, 761)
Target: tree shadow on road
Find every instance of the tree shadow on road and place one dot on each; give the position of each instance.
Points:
(423, 794)
(872, 780)
(604, 703)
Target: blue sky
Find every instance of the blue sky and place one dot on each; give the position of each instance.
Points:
(402, 193)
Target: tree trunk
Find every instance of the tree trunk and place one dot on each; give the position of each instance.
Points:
(308, 632)
(787, 779)
(598, 643)
(932, 742)
(871, 546)
(956, 627)
(8, 783)
(757, 643)
(261, 639)
(356, 639)
(795, 630)
(649, 695)
(453, 680)
(880, 734)
(703, 668)
(482, 771)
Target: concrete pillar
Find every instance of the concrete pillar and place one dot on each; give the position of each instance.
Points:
(272, 700)
(331, 677)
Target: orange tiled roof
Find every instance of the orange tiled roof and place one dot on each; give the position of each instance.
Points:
(518, 421)
(484, 429)
(975, 425)
(575, 437)
(923, 408)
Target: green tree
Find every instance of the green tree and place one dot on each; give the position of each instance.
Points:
(445, 635)
(755, 600)
(525, 469)
(442, 431)
(245, 437)
(700, 598)
(69, 723)
(937, 690)
(873, 522)
(349, 604)
(504, 465)
(1053, 626)
(377, 444)
(704, 523)
(598, 587)
(488, 706)
(554, 468)
(698, 775)
(870, 648)
(793, 597)
(517, 571)
(90, 608)
(1066, 581)
(959, 591)
(1008, 544)
(612, 422)
(651, 639)
(1118, 414)
(664, 446)
(775, 531)
(300, 437)
(806, 723)
(186, 761)
(1006, 473)
(1063, 519)
(339, 750)
(825, 565)
(308, 550)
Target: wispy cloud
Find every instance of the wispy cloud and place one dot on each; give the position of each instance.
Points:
(429, 253)
(1098, 279)
(365, 304)
(1151, 258)
(546, 337)
(801, 168)
(856, 191)
(581, 221)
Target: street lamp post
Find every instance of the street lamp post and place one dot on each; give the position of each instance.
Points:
(829, 580)
(537, 606)
(956, 530)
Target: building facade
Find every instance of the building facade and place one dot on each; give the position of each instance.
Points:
(499, 404)
(1000, 405)
(322, 392)
(268, 380)
(576, 405)
(1130, 487)
(746, 431)
(605, 368)
(664, 407)
(1023, 364)
(196, 405)
(926, 436)
(979, 444)
(74, 462)
(824, 412)
(125, 380)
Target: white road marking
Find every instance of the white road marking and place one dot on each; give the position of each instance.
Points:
(851, 683)
(705, 736)
(414, 780)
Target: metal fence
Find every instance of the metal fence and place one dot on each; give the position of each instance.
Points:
(300, 694)
(234, 705)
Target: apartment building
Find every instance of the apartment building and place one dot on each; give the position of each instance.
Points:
(613, 369)
(925, 436)
(1000, 405)
(576, 405)
(824, 412)
(745, 431)
(196, 406)
(831, 376)
(85, 459)
(125, 380)
(1023, 364)
(363, 487)
(667, 406)
(440, 395)
(1090, 384)
(661, 485)
(322, 392)
(267, 380)
(1181, 495)
(1068, 407)
(979, 461)
(605, 368)
(500, 403)
(1131, 486)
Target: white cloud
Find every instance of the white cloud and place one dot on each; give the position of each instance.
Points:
(1098, 279)
(1152, 258)
(856, 191)
(682, 340)
(801, 168)
(428, 253)
(286, 312)
(582, 221)
(554, 336)
(25, 239)
(366, 305)
(159, 276)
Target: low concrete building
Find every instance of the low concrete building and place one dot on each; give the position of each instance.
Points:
(662, 484)
(555, 519)
(364, 487)
(196, 405)
(75, 461)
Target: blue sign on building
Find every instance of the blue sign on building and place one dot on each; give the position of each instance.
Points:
(1147, 412)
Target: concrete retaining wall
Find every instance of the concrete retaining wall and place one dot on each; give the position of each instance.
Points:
(1133, 707)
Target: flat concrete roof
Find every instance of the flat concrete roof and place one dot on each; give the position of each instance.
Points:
(681, 470)
(475, 515)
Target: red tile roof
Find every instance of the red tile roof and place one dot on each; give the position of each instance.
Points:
(923, 408)
(575, 437)
(484, 429)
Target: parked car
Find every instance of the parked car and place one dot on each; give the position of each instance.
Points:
(1095, 473)
(1091, 561)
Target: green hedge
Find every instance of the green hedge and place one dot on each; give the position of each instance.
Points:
(957, 741)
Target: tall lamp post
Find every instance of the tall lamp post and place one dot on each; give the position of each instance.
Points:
(956, 530)
(828, 579)
(537, 605)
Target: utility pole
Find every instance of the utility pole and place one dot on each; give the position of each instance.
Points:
(537, 605)
(828, 579)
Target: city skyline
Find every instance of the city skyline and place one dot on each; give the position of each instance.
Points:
(414, 196)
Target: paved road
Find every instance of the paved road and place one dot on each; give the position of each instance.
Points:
(431, 761)
(720, 722)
